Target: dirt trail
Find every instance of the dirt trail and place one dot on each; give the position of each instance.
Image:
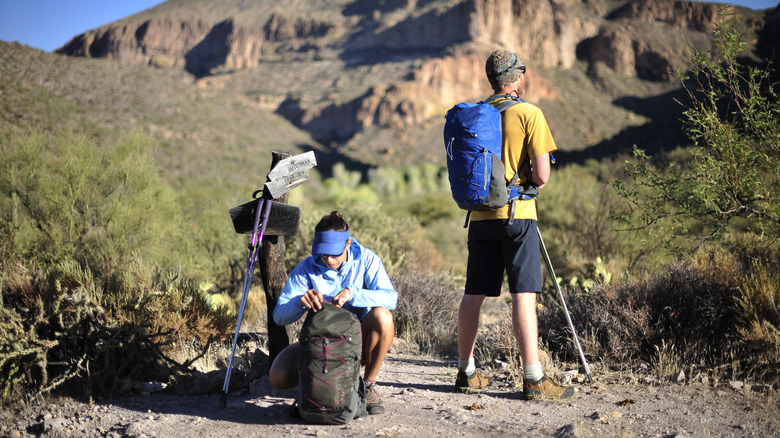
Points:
(420, 402)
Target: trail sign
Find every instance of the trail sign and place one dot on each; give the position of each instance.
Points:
(283, 219)
(289, 173)
(286, 183)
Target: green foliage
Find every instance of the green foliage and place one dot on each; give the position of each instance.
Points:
(433, 207)
(399, 242)
(731, 172)
(575, 218)
(79, 215)
(388, 183)
(70, 196)
(65, 325)
(345, 187)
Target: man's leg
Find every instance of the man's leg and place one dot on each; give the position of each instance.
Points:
(526, 331)
(468, 324)
(378, 334)
(469, 378)
(525, 326)
(284, 371)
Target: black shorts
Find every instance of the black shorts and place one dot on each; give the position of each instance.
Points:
(495, 247)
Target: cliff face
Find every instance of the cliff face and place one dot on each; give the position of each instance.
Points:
(543, 30)
(414, 58)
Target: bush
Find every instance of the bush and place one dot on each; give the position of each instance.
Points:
(729, 178)
(701, 309)
(758, 327)
(74, 197)
(66, 327)
(427, 311)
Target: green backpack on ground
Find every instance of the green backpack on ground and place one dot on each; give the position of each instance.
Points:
(330, 389)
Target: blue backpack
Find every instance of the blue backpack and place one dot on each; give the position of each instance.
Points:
(472, 138)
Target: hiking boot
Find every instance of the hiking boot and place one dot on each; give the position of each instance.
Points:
(374, 404)
(546, 389)
(474, 382)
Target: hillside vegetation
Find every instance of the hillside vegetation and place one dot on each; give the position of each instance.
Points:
(120, 263)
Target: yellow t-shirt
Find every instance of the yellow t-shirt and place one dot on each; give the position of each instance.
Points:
(525, 136)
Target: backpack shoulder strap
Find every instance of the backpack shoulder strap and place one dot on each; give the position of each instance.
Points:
(510, 101)
(503, 106)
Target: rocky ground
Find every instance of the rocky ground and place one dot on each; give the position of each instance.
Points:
(420, 402)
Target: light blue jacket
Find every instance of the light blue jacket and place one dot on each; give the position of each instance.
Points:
(362, 272)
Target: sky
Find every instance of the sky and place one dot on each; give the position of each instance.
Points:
(49, 24)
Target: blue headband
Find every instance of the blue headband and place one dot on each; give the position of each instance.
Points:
(329, 242)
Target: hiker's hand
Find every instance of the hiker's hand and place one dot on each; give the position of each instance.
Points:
(342, 298)
(312, 299)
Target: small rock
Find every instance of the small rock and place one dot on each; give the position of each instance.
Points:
(568, 431)
(764, 389)
(261, 387)
(500, 364)
(566, 377)
(154, 386)
(679, 377)
(736, 384)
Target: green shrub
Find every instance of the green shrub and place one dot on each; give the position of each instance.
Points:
(65, 327)
(729, 178)
(433, 207)
(575, 218)
(97, 201)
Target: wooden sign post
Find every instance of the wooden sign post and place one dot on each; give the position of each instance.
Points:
(276, 220)
(271, 259)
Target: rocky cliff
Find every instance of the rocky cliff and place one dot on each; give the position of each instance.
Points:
(395, 64)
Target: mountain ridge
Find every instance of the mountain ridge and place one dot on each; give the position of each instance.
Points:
(372, 80)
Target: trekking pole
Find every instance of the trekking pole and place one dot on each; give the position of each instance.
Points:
(563, 303)
(255, 243)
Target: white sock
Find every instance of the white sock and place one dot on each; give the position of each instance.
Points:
(467, 366)
(533, 372)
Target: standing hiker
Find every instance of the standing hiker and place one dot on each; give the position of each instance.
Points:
(497, 244)
(349, 275)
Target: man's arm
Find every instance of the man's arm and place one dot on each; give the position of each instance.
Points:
(540, 170)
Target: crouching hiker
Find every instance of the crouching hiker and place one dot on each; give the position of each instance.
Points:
(350, 276)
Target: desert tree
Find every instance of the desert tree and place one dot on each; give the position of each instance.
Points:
(729, 177)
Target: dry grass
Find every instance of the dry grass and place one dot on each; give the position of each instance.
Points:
(708, 312)
(427, 312)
